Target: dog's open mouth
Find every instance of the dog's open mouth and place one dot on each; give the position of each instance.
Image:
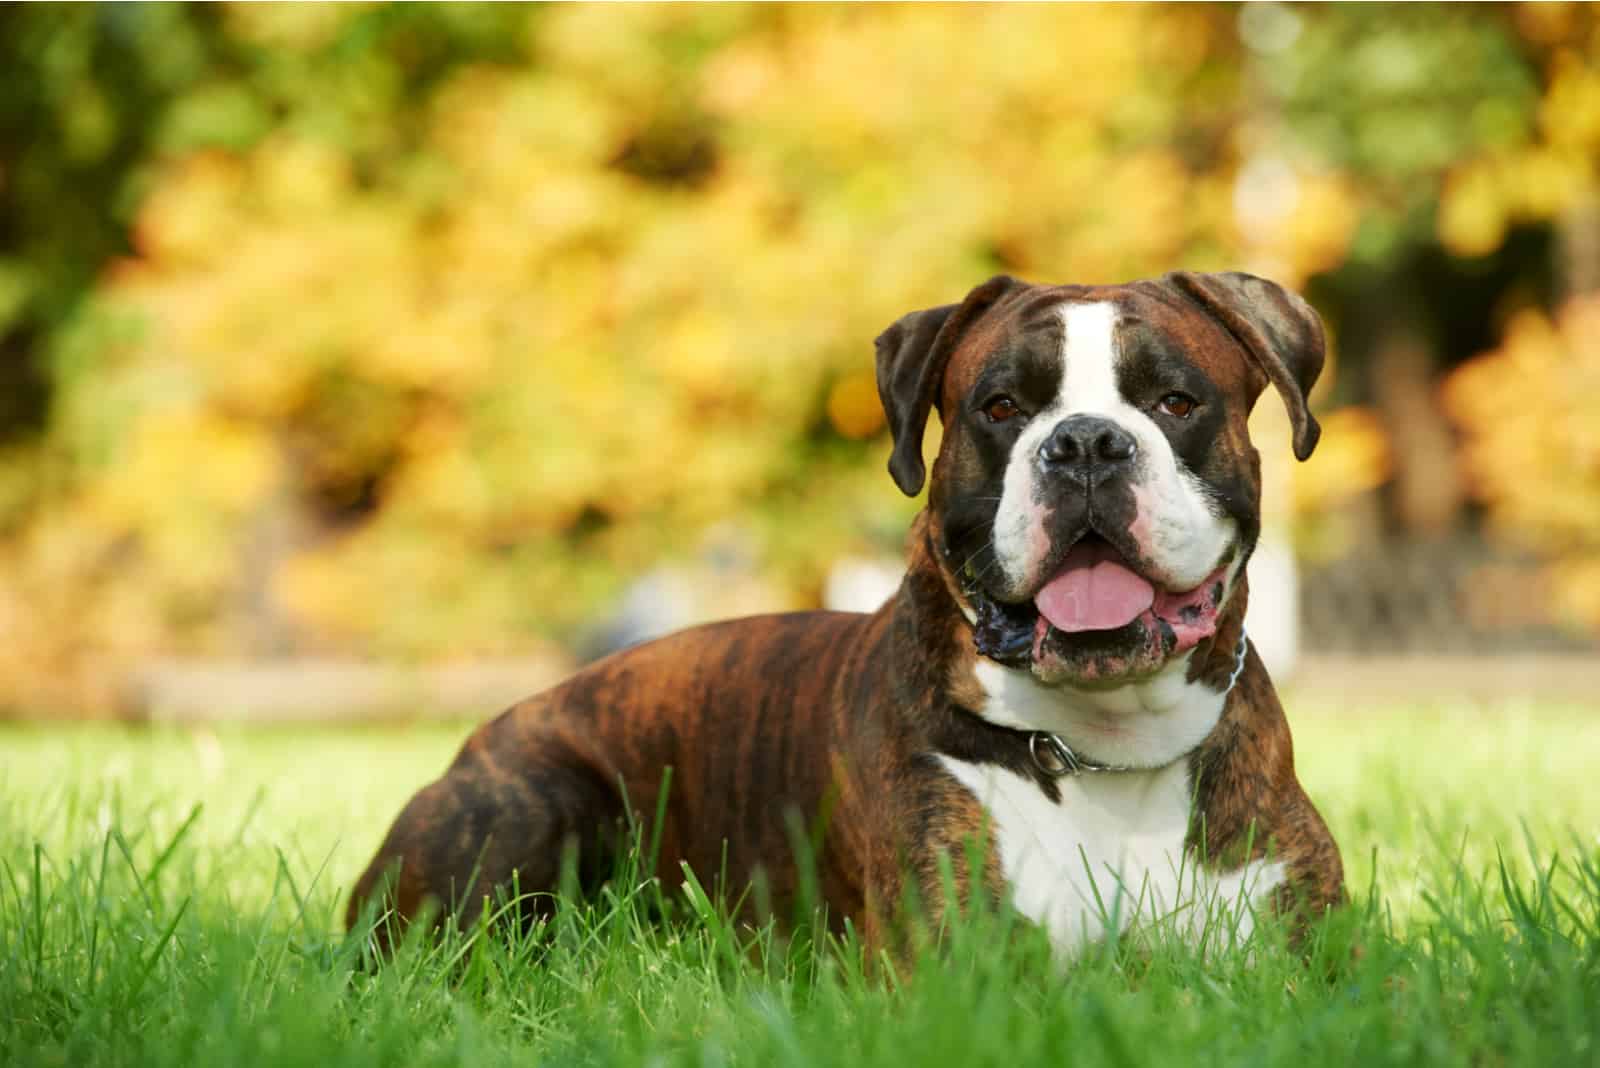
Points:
(1096, 602)
(1097, 590)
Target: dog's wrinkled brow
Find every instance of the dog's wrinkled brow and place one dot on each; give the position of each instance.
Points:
(1040, 326)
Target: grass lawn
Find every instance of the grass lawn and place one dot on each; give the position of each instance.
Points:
(172, 898)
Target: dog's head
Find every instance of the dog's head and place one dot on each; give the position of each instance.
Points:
(1096, 495)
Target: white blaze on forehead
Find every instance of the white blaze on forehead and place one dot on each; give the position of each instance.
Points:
(1089, 362)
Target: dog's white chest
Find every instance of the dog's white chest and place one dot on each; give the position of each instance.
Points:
(1110, 856)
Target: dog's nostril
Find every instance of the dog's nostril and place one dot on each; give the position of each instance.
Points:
(1114, 444)
(1060, 449)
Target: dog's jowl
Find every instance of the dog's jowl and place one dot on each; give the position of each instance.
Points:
(1064, 671)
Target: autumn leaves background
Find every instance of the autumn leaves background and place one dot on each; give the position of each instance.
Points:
(422, 331)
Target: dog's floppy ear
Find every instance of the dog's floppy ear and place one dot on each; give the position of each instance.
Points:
(912, 355)
(1280, 331)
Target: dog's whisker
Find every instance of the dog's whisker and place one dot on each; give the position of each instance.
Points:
(987, 546)
(972, 559)
(968, 537)
(980, 576)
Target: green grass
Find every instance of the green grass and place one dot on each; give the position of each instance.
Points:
(171, 898)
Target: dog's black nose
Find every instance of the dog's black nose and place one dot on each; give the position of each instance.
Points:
(1088, 444)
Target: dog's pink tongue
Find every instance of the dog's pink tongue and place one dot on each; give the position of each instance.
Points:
(1094, 591)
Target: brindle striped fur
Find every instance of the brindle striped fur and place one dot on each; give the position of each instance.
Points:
(833, 718)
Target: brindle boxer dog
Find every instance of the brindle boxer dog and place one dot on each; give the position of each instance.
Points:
(1064, 670)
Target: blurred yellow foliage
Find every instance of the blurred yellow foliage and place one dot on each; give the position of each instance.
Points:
(1352, 457)
(1534, 179)
(442, 370)
(853, 405)
(1533, 442)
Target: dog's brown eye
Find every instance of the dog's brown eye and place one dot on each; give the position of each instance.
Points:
(1000, 409)
(1177, 405)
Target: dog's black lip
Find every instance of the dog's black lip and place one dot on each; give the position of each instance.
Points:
(1004, 632)
(1091, 536)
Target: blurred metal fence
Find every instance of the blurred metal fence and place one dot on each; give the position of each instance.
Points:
(1414, 597)
(1401, 621)
(1407, 620)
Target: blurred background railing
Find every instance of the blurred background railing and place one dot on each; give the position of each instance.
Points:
(470, 341)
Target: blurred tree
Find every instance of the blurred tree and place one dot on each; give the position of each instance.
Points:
(83, 84)
(1537, 460)
(1391, 98)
